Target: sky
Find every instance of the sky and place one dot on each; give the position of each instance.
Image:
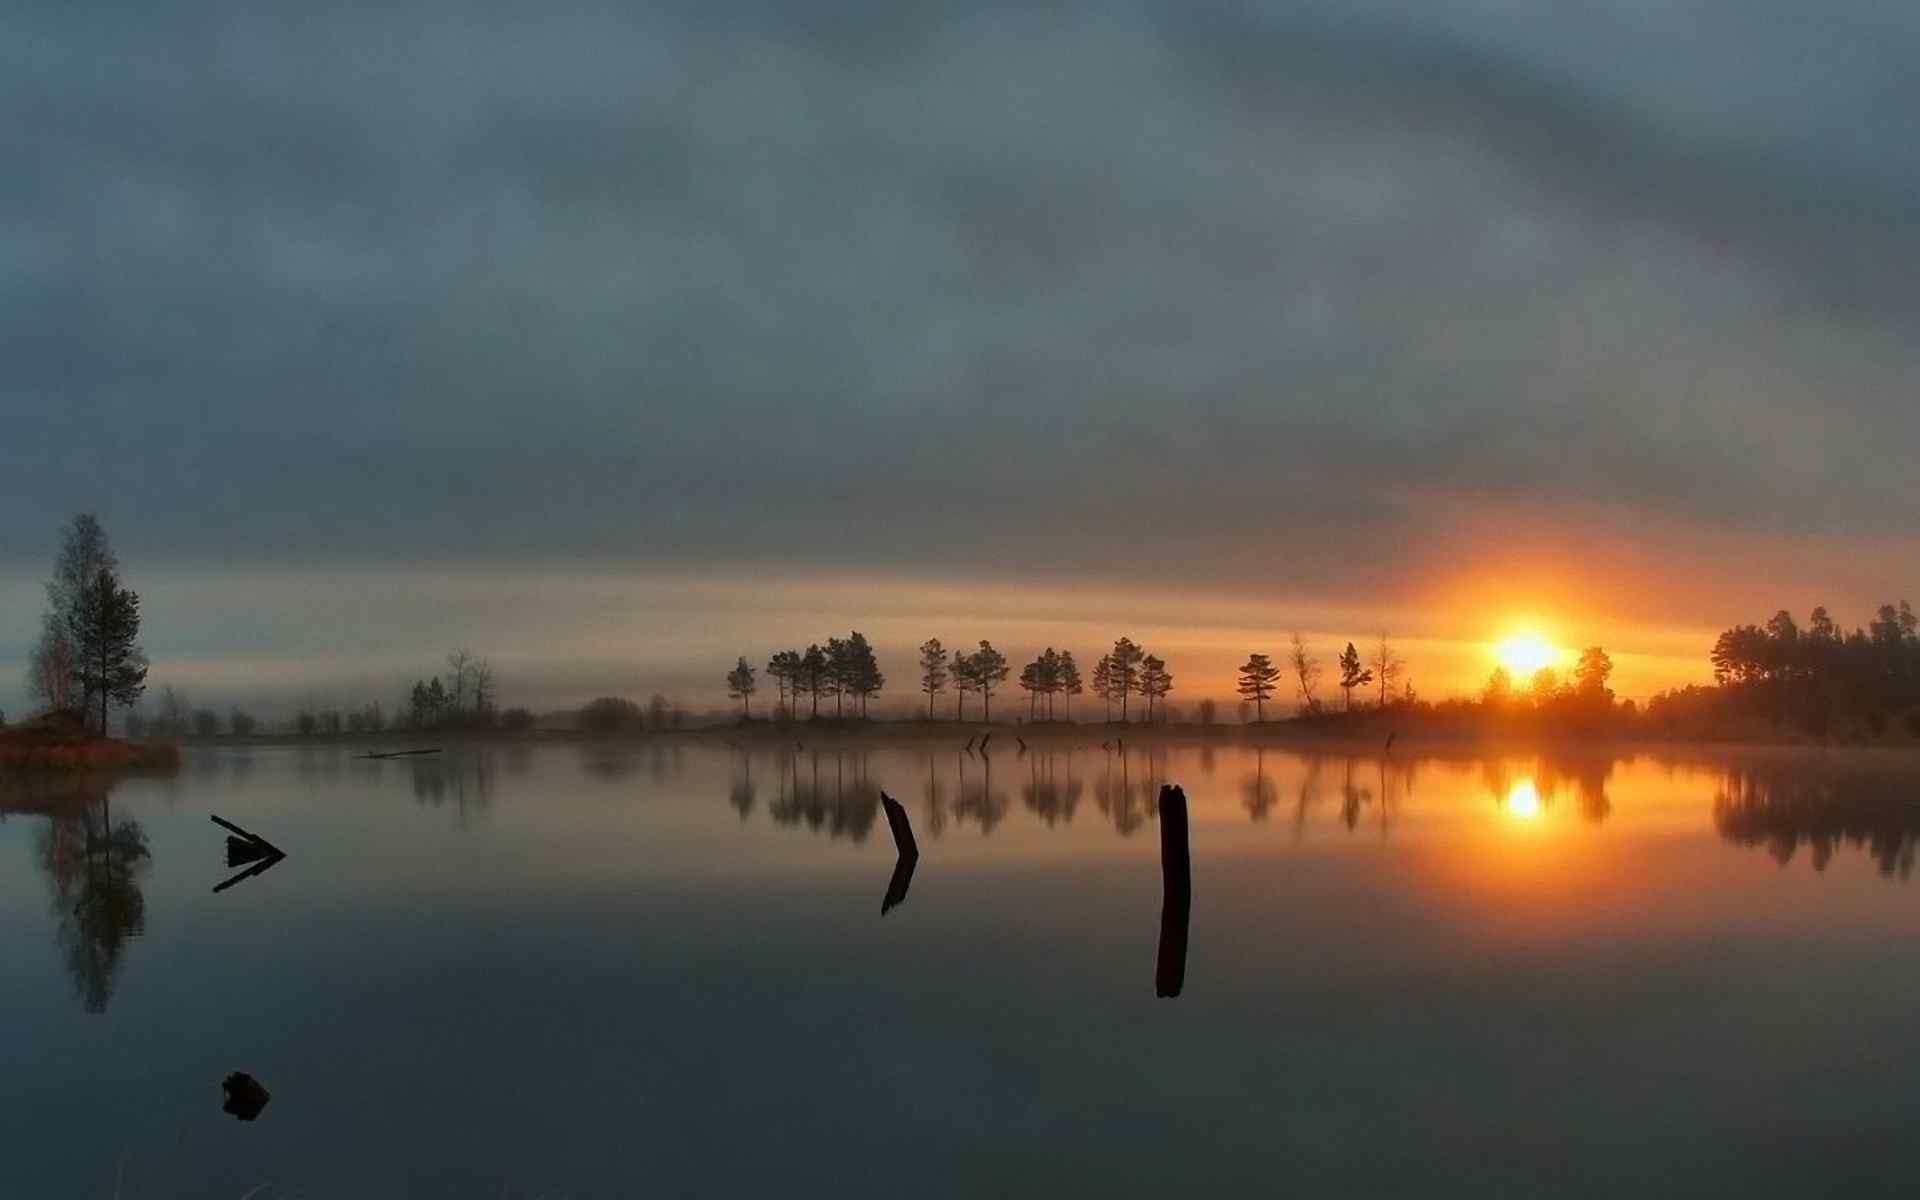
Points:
(615, 340)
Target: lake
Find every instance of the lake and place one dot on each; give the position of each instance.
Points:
(591, 970)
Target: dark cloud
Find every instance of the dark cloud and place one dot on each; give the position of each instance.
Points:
(929, 284)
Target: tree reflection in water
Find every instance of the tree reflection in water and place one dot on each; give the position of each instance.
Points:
(1824, 805)
(94, 867)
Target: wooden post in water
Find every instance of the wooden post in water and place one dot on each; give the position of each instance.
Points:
(1176, 906)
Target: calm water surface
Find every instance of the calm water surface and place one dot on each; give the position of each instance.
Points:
(595, 971)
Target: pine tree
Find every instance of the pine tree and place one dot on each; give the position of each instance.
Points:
(1155, 683)
(814, 677)
(1123, 670)
(933, 671)
(740, 685)
(989, 670)
(1103, 682)
(104, 624)
(1256, 682)
(1352, 675)
(1070, 685)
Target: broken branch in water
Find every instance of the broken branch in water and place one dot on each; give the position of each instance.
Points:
(401, 753)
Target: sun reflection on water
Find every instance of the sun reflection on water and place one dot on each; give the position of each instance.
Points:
(1523, 800)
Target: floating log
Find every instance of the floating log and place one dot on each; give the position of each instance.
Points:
(1176, 906)
(909, 851)
(401, 753)
(247, 847)
(245, 1096)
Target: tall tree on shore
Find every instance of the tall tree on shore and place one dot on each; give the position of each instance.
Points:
(460, 665)
(1306, 672)
(1256, 683)
(784, 668)
(933, 671)
(53, 666)
(863, 679)
(840, 671)
(1155, 682)
(740, 685)
(105, 627)
(1029, 682)
(1069, 680)
(814, 676)
(1103, 683)
(1124, 671)
(1590, 676)
(989, 671)
(961, 669)
(1352, 674)
(1387, 666)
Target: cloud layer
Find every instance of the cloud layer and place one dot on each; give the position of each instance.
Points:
(1324, 295)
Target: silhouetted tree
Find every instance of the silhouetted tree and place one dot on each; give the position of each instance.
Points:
(1155, 682)
(1069, 683)
(786, 669)
(960, 667)
(1499, 690)
(1256, 682)
(1123, 671)
(206, 722)
(1387, 666)
(105, 626)
(1103, 682)
(610, 714)
(814, 676)
(54, 667)
(861, 678)
(1306, 672)
(241, 724)
(1029, 682)
(1352, 675)
(1590, 676)
(740, 685)
(988, 668)
(933, 671)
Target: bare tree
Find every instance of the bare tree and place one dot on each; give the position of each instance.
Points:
(1306, 672)
(460, 665)
(1387, 666)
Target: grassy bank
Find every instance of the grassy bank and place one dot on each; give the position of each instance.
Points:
(45, 750)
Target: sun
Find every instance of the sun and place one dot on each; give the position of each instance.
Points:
(1525, 653)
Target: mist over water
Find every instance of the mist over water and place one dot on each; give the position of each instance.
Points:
(596, 969)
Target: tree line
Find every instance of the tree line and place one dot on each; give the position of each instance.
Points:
(1817, 678)
(847, 667)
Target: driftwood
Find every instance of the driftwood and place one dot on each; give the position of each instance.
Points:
(247, 847)
(1176, 906)
(401, 753)
(245, 1096)
(909, 854)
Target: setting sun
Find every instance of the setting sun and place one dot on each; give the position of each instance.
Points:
(1523, 654)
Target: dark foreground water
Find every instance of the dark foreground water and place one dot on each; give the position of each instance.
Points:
(596, 971)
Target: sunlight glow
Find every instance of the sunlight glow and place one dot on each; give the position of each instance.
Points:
(1525, 653)
(1523, 800)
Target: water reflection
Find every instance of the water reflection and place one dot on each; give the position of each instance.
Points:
(827, 790)
(1824, 806)
(94, 866)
